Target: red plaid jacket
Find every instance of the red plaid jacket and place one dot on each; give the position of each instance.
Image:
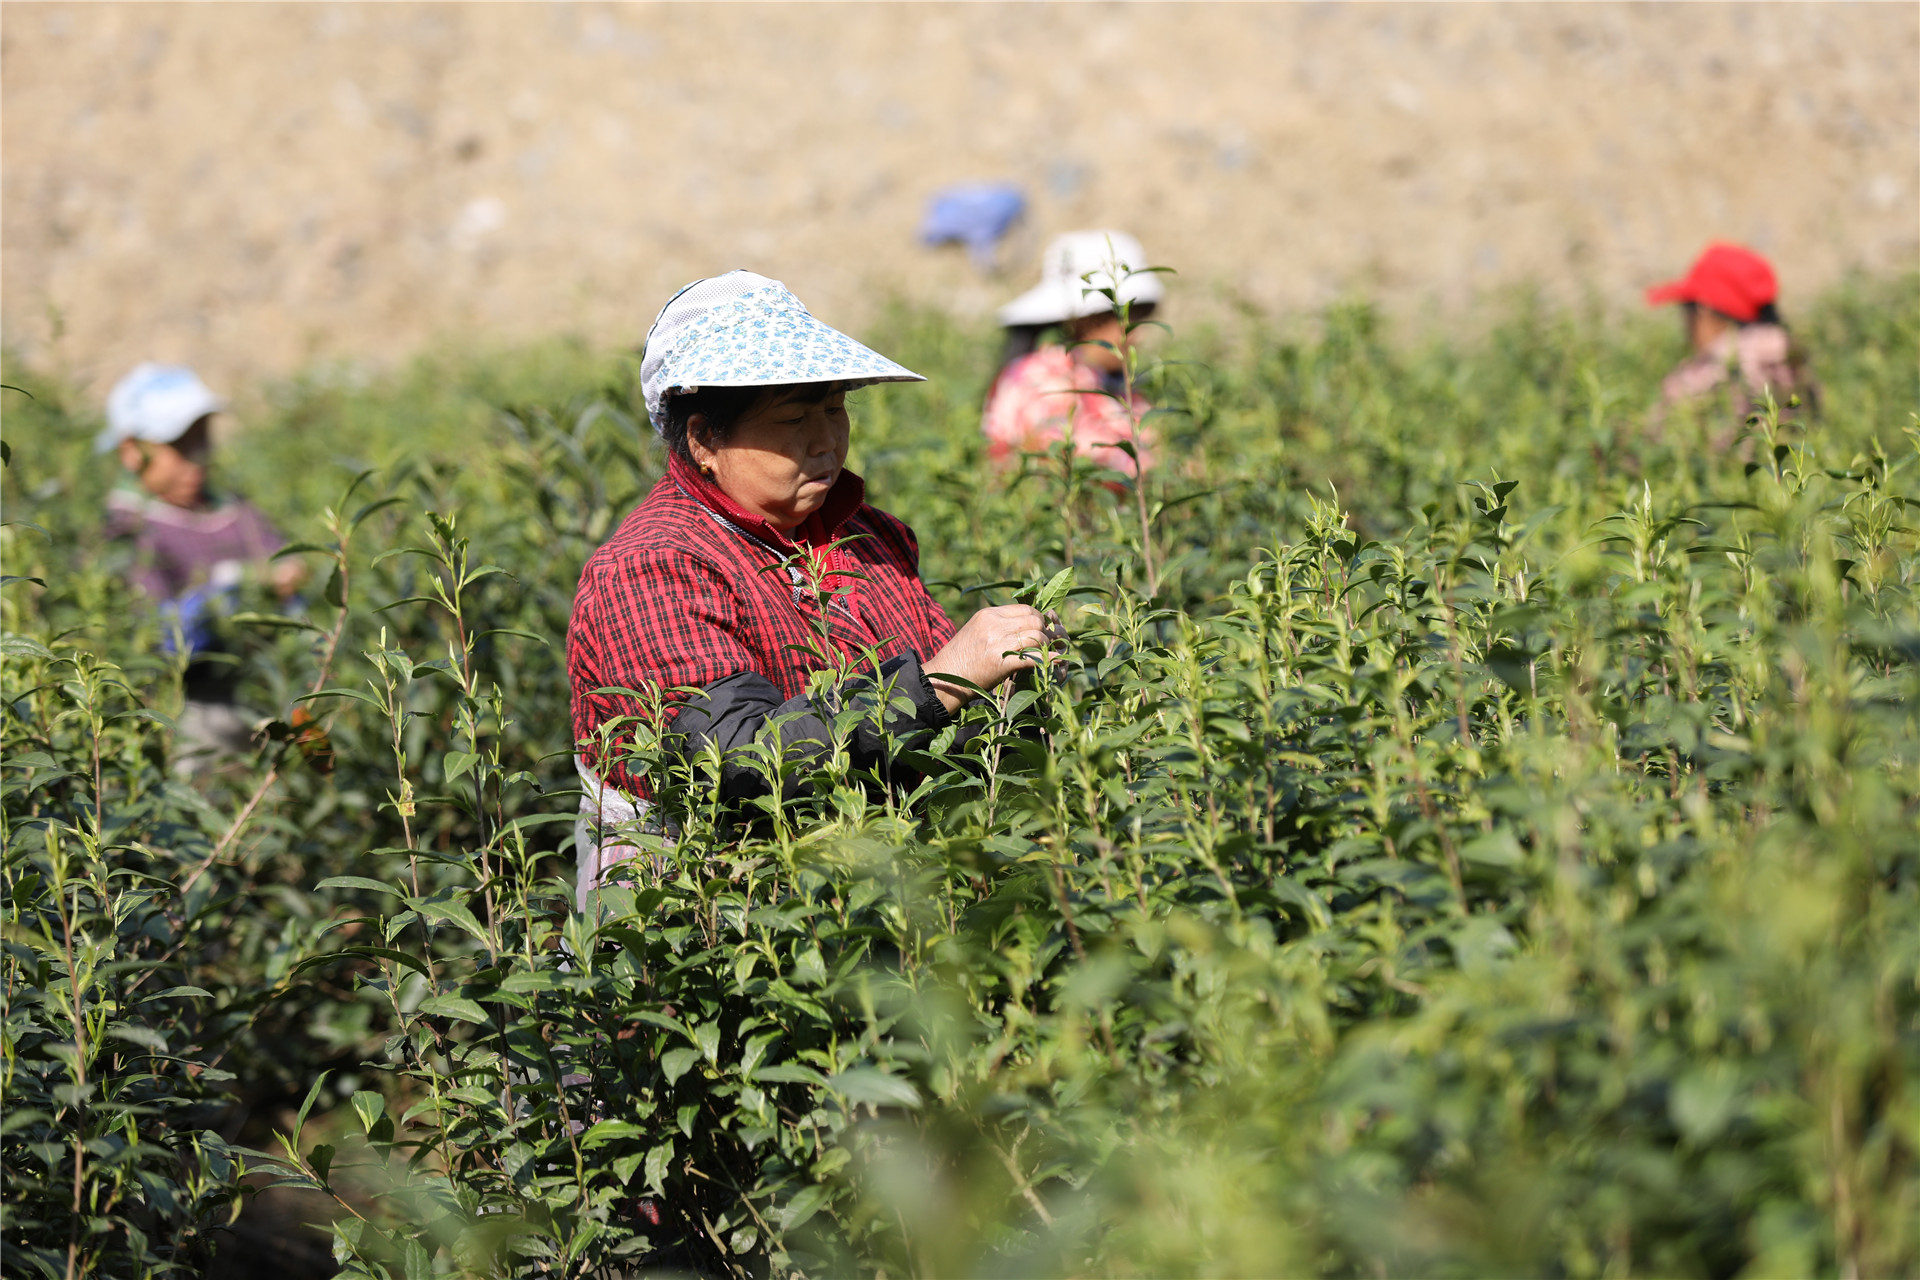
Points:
(690, 590)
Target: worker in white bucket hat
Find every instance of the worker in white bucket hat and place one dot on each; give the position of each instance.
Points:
(1078, 385)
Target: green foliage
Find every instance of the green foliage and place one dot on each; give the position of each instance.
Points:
(1507, 864)
(127, 974)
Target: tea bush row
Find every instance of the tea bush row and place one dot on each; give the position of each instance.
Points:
(1491, 846)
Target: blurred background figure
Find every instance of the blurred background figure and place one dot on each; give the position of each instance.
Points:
(1065, 360)
(192, 546)
(1741, 350)
(978, 215)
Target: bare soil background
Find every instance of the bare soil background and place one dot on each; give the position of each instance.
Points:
(256, 187)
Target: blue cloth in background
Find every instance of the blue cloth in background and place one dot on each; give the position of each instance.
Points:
(187, 619)
(975, 214)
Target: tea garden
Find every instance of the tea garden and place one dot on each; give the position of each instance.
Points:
(1468, 831)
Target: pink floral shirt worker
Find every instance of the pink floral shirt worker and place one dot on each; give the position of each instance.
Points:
(1045, 392)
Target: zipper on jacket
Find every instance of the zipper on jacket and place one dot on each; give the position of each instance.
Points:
(801, 593)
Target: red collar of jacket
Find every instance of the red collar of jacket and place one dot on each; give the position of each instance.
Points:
(848, 495)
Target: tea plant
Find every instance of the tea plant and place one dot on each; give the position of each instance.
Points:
(127, 976)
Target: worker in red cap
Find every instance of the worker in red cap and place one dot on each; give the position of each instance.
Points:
(1741, 348)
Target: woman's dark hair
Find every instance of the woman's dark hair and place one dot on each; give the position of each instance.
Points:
(1766, 313)
(723, 407)
(1022, 340)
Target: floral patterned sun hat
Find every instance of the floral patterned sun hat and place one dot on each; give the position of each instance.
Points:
(744, 330)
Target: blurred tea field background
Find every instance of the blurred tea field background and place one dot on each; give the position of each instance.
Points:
(1484, 841)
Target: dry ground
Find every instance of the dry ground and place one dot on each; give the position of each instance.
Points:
(253, 187)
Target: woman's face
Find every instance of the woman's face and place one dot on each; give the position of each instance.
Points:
(175, 473)
(1102, 341)
(1704, 326)
(781, 457)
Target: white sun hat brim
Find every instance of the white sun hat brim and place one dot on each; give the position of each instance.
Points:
(155, 403)
(744, 330)
(1074, 271)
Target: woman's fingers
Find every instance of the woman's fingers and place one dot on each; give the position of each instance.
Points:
(998, 641)
(1030, 629)
(1043, 638)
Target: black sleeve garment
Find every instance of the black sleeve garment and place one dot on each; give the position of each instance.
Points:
(730, 713)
